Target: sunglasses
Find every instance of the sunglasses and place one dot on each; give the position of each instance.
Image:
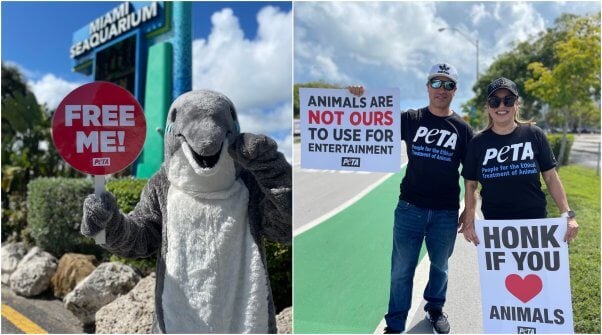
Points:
(448, 85)
(494, 102)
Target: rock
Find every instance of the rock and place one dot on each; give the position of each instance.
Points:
(284, 321)
(72, 269)
(11, 255)
(131, 313)
(33, 273)
(102, 286)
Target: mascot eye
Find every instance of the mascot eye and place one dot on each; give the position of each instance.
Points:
(233, 114)
(235, 120)
(174, 112)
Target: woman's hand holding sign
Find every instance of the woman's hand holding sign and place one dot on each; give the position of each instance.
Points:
(572, 229)
(467, 228)
(466, 220)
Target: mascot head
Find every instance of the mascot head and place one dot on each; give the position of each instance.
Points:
(203, 121)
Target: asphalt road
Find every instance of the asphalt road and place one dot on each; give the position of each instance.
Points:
(586, 150)
(44, 311)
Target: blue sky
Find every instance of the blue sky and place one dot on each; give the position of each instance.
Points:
(394, 44)
(36, 37)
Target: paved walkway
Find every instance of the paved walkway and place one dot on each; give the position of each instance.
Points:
(463, 306)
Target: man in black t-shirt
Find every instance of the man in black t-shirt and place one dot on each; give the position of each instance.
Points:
(437, 141)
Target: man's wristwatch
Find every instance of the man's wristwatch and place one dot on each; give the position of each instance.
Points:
(568, 214)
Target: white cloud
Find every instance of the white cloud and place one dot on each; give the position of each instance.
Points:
(393, 44)
(274, 122)
(576, 7)
(256, 74)
(376, 43)
(266, 120)
(479, 13)
(50, 90)
(518, 22)
(325, 67)
(253, 73)
(286, 147)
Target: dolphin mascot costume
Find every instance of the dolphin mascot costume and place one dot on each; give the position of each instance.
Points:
(218, 194)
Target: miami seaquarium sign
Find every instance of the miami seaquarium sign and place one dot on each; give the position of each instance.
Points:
(118, 21)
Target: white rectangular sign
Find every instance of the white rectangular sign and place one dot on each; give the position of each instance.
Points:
(525, 282)
(340, 131)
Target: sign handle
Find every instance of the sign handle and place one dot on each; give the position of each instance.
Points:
(99, 187)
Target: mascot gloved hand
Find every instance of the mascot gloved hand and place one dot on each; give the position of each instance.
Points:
(206, 213)
(98, 212)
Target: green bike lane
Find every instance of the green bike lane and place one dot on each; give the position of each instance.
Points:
(342, 266)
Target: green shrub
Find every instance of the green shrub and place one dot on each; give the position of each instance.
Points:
(127, 191)
(555, 142)
(145, 266)
(279, 259)
(55, 209)
(14, 218)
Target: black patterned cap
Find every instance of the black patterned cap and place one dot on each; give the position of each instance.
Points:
(502, 82)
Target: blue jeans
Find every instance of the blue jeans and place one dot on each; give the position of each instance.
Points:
(413, 225)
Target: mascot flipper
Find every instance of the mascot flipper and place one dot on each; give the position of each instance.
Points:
(206, 212)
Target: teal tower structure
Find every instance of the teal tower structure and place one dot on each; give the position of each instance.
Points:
(145, 47)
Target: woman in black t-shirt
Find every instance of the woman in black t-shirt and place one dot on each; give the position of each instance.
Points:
(507, 158)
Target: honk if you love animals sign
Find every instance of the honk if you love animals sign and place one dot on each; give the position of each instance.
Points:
(524, 270)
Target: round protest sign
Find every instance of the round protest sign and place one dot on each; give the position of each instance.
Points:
(99, 128)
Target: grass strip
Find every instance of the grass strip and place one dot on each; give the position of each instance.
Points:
(582, 187)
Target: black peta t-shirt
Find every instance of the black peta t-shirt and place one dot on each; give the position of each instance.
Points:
(436, 146)
(508, 168)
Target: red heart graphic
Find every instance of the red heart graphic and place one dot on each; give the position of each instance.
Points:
(524, 289)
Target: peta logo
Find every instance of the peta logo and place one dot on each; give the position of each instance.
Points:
(350, 161)
(524, 150)
(440, 137)
(105, 161)
(526, 330)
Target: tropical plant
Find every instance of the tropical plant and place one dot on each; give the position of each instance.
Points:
(27, 150)
(572, 85)
(543, 50)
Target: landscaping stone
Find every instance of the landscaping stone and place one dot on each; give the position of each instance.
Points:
(72, 269)
(11, 254)
(131, 313)
(33, 273)
(284, 321)
(105, 284)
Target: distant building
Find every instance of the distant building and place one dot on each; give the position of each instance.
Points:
(144, 47)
